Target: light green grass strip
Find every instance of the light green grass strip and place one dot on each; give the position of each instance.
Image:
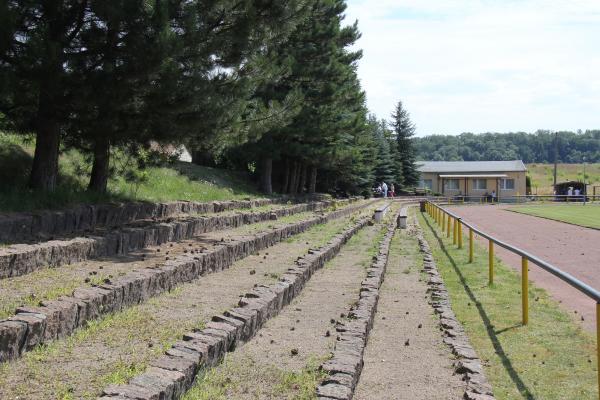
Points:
(551, 358)
(577, 214)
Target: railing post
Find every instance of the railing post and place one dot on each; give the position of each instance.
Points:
(491, 262)
(448, 226)
(443, 221)
(460, 238)
(470, 245)
(455, 231)
(525, 289)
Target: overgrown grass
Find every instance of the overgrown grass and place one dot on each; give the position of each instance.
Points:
(41, 291)
(577, 214)
(551, 358)
(175, 181)
(542, 175)
(246, 376)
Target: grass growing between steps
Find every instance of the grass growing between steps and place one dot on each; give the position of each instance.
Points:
(137, 323)
(551, 358)
(217, 383)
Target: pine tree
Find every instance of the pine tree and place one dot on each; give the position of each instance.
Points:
(331, 114)
(404, 130)
(40, 41)
(383, 161)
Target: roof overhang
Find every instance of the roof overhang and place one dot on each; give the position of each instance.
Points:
(474, 176)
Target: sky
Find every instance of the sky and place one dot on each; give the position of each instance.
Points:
(482, 65)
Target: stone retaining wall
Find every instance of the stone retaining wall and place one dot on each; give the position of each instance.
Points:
(171, 375)
(16, 227)
(467, 363)
(345, 366)
(56, 319)
(22, 259)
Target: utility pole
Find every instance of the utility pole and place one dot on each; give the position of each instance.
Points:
(584, 184)
(555, 156)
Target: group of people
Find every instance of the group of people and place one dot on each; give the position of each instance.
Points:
(490, 197)
(382, 190)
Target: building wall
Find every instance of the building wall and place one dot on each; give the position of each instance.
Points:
(436, 184)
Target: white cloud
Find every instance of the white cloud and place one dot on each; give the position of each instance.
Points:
(482, 65)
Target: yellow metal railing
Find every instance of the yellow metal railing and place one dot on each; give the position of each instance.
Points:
(445, 219)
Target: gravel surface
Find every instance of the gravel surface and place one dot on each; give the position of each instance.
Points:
(119, 346)
(574, 249)
(265, 367)
(50, 283)
(405, 357)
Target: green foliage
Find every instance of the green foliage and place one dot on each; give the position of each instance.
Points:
(404, 131)
(138, 175)
(531, 148)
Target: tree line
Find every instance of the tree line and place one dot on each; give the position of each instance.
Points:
(538, 147)
(268, 86)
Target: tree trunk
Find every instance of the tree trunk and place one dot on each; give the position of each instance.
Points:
(302, 184)
(266, 169)
(286, 177)
(100, 168)
(312, 184)
(44, 170)
(294, 179)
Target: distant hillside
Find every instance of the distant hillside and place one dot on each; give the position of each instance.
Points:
(530, 147)
(542, 176)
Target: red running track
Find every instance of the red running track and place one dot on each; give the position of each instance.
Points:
(574, 249)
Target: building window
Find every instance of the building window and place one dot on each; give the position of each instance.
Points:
(428, 183)
(507, 184)
(479, 184)
(451, 184)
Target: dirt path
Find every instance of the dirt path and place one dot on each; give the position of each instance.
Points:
(392, 369)
(51, 283)
(281, 362)
(113, 349)
(573, 249)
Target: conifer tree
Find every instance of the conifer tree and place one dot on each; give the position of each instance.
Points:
(39, 41)
(331, 113)
(404, 130)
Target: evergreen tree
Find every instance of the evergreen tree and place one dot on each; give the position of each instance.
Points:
(39, 43)
(383, 161)
(331, 114)
(404, 130)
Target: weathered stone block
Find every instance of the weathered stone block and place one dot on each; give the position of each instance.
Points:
(12, 335)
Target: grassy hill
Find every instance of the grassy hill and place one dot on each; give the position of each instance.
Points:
(162, 182)
(542, 175)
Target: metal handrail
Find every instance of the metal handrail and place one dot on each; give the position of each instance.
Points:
(564, 276)
(443, 218)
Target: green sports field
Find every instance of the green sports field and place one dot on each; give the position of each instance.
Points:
(578, 214)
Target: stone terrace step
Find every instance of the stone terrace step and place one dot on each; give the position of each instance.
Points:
(57, 319)
(18, 227)
(22, 259)
(173, 373)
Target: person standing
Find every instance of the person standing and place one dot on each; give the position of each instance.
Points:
(384, 186)
(392, 190)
